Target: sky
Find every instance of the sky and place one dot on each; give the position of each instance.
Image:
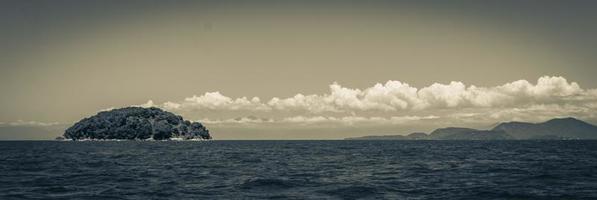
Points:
(300, 69)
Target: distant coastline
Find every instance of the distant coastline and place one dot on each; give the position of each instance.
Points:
(554, 129)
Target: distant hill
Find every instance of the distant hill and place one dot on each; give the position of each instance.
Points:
(412, 136)
(454, 133)
(559, 128)
(565, 128)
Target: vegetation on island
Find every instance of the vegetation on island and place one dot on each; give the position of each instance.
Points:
(136, 123)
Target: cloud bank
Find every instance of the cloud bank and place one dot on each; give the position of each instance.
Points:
(396, 96)
(27, 123)
(348, 120)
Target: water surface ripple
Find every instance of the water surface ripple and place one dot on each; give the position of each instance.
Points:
(299, 170)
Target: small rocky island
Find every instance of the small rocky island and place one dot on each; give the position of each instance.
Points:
(136, 123)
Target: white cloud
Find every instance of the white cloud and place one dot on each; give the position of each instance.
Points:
(238, 120)
(311, 103)
(321, 119)
(146, 104)
(106, 109)
(357, 119)
(395, 97)
(217, 101)
(303, 119)
(28, 123)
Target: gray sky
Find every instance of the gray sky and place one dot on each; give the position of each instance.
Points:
(64, 60)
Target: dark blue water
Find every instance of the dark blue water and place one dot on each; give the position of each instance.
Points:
(299, 170)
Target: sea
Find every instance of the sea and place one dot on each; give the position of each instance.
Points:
(298, 170)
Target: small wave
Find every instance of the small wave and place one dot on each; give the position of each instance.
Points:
(267, 183)
(352, 192)
(252, 160)
(543, 177)
(278, 170)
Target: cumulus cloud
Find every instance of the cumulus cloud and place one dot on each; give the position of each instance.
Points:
(357, 119)
(396, 95)
(321, 119)
(238, 120)
(147, 104)
(395, 102)
(217, 101)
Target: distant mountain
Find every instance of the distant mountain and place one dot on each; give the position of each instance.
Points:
(555, 129)
(380, 137)
(412, 136)
(454, 133)
(565, 128)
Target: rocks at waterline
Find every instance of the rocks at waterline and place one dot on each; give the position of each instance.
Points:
(136, 123)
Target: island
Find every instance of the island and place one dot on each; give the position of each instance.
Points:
(555, 129)
(136, 123)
